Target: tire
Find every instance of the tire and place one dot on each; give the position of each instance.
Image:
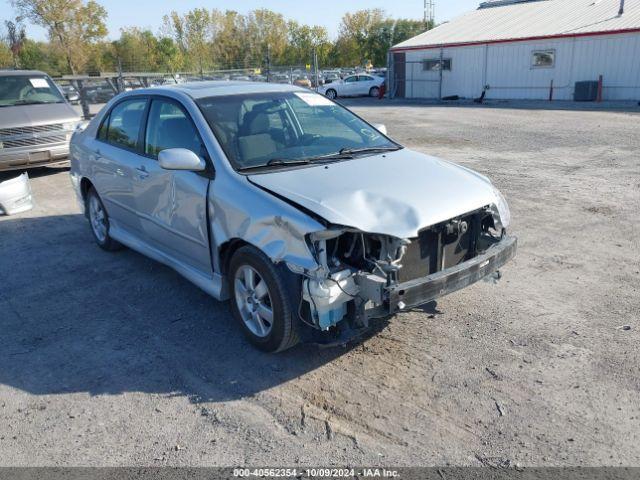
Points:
(374, 92)
(331, 94)
(99, 222)
(261, 302)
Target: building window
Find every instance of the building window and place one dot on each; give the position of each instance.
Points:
(543, 59)
(433, 64)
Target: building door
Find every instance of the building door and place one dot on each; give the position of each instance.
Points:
(400, 74)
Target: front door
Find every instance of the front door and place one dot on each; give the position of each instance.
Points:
(349, 88)
(172, 204)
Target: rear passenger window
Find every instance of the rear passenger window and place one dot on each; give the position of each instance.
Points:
(169, 127)
(124, 123)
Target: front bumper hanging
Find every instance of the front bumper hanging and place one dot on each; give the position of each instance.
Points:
(423, 290)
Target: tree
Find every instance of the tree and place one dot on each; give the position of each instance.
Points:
(229, 32)
(73, 25)
(267, 37)
(356, 30)
(16, 37)
(6, 59)
(303, 40)
(387, 33)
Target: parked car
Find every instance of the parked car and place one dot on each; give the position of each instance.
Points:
(99, 93)
(309, 219)
(36, 121)
(71, 94)
(303, 81)
(353, 86)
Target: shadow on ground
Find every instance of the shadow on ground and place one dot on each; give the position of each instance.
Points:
(77, 319)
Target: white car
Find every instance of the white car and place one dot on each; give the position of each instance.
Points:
(353, 86)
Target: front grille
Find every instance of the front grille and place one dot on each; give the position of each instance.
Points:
(438, 248)
(34, 141)
(29, 130)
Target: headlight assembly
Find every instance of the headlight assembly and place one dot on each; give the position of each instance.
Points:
(503, 209)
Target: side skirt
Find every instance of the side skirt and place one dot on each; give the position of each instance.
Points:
(216, 286)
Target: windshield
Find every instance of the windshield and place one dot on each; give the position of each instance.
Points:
(28, 90)
(269, 130)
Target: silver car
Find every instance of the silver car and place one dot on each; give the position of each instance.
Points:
(309, 219)
(36, 121)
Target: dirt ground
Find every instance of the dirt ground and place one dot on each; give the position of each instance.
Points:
(113, 359)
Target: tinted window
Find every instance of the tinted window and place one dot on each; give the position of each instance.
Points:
(365, 78)
(351, 79)
(124, 123)
(170, 127)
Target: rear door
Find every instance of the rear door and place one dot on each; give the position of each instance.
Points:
(118, 147)
(365, 82)
(350, 86)
(172, 204)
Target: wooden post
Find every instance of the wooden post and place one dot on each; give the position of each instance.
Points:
(551, 91)
(599, 99)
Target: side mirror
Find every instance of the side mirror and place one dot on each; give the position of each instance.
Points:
(381, 127)
(180, 159)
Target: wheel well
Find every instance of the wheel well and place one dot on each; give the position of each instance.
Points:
(227, 250)
(85, 185)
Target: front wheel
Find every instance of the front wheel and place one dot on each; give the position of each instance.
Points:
(260, 301)
(331, 94)
(99, 222)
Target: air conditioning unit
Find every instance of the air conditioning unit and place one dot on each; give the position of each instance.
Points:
(586, 92)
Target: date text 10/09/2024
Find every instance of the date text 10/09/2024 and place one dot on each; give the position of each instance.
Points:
(315, 473)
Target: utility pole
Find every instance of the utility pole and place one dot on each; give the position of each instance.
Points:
(429, 12)
(120, 79)
(315, 68)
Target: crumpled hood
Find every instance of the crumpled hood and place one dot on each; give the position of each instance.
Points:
(397, 194)
(28, 115)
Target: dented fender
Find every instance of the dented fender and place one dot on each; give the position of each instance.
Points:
(272, 225)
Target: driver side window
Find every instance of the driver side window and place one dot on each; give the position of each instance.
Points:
(170, 127)
(351, 79)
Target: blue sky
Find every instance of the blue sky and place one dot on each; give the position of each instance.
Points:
(148, 13)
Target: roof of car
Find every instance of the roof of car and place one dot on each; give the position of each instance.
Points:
(15, 73)
(219, 88)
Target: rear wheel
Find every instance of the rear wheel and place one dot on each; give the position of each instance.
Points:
(99, 222)
(260, 301)
(374, 92)
(332, 94)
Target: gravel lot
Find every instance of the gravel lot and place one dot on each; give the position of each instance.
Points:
(113, 359)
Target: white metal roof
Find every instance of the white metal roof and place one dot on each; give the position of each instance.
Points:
(532, 19)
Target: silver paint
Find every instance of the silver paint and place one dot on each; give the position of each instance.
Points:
(187, 219)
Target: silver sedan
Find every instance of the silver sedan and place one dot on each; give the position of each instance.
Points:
(309, 219)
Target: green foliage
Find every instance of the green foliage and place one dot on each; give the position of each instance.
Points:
(73, 25)
(6, 59)
(198, 41)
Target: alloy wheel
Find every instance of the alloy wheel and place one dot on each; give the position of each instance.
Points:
(98, 219)
(253, 300)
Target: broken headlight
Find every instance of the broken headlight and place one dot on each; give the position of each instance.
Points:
(503, 209)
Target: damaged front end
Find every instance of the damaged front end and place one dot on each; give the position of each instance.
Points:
(367, 275)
